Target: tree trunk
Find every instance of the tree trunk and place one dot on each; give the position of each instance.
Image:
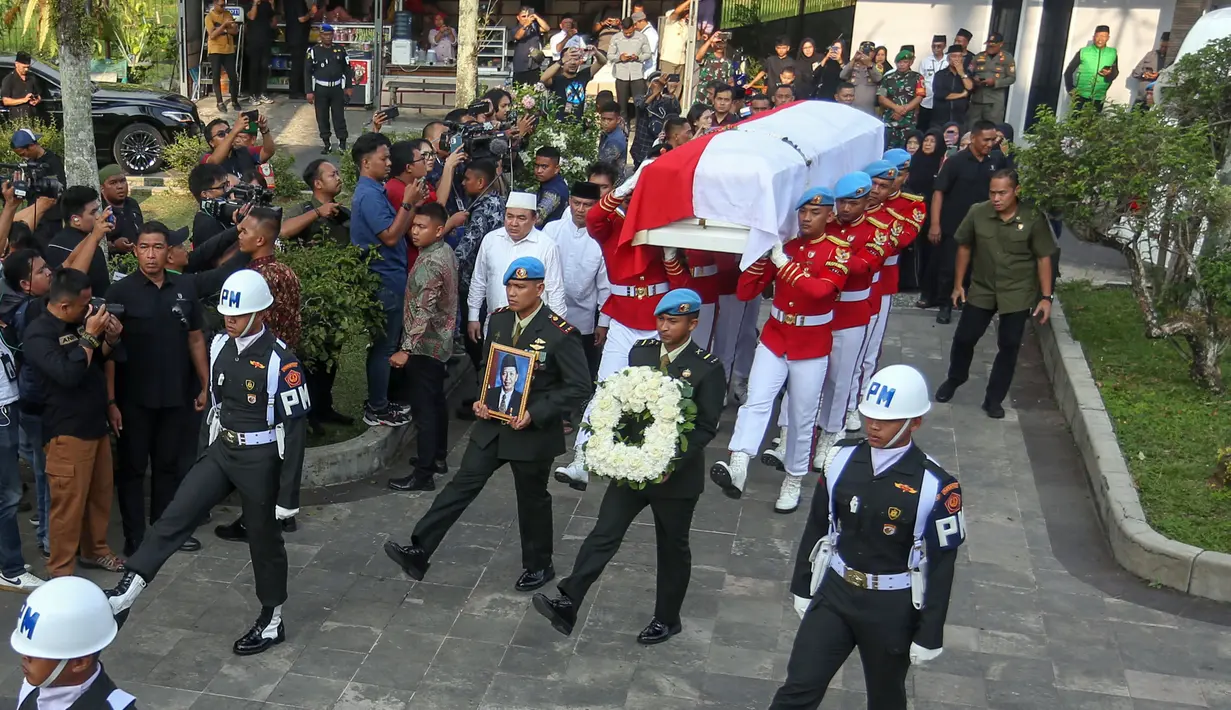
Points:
(1205, 369)
(73, 30)
(467, 88)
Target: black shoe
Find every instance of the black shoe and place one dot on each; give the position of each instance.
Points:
(190, 545)
(327, 149)
(329, 416)
(657, 632)
(994, 410)
(412, 559)
(559, 611)
(945, 392)
(439, 468)
(945, 315)
(342, 147)
(531, 580)
(289, 525)
(222, 107)
(259, 638)
(413, 482)
(235, 532)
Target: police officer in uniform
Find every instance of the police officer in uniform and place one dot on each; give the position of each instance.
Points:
(994, 72)
(329, 78)
(672, 501)
(875, 567)
(529, 443)
(257, 434)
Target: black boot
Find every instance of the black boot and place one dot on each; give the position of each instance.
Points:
(945, 314)
(268, 631)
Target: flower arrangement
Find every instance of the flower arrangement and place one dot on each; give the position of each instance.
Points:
(638, 424)
(576, 139)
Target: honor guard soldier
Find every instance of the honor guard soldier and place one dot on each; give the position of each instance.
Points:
(529, 443)
(61, 629)
(329, 77)
(673, 500)
(257, 433)
(875, 567)
(807, 274)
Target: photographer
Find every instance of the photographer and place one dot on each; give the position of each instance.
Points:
(127, 213)
(238, 159)
(865, 75)
(207, 183)
(653, 108)
(527, 38)
(568, 79)
(631, 50)
(47, 218)
(164, 379)
(86, 229)
(69, 344)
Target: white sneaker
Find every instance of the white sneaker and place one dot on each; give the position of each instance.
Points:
(574, 474)
(824, 442)
(122, 595)
(776, 456)
(853, 422)
(788, 495)
(731, 477)
(739, 389)
(24, 583)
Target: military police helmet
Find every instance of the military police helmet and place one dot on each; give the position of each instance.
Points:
(244, 292)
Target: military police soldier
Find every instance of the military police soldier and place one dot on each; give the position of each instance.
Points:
(257, 433)
(673, 500)
(875, 567)
(329, 79)
(529, 443)
(994, 72)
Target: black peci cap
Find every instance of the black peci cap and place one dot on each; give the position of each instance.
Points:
(585, 190)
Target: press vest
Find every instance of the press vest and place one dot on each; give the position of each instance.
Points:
(1087, 82)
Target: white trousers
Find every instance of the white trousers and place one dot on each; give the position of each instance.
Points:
(704, 332)
(871, 353)
(844, 360)
(620, 339)
(803, 379)
(735, 334)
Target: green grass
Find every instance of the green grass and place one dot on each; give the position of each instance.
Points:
(1169, 429)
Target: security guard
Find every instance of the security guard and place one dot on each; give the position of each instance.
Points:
(879, 547)
(673, 500)
(529, 443)
(994, 72)
(329, 79)
(60, 631)
(257, 436)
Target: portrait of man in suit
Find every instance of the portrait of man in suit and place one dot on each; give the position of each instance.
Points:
(504, 397)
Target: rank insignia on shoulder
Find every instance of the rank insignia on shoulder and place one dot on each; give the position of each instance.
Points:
(878, 223)
(906, 488)
(562, 324)
(501, 309)
(912, 197)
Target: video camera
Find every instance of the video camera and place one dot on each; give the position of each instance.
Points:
(30, 179)
(478, 140)
(224, 208)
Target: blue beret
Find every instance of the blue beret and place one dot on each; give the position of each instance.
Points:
(881, 169)
(525, 268)
(680, 302)
(326, 27)
(822, 196)
(898, 157)
(852, 186)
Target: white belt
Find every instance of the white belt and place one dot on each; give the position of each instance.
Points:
(700, 271)
(880, 582)
(798, 320)
(248, 438)
(891, 261)
(848, 296)
(876, 277)
(641, 291)
(336, 82)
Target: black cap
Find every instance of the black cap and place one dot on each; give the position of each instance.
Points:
(940, 39)
(1102, 28)
(964, 33)
(508, 361)
(22, 58)
(955, 48)
(585, 191)
(177, 237)
(995, 38)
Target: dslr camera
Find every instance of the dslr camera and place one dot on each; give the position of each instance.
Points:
(30, 180)
(224, 208)
(115, 309)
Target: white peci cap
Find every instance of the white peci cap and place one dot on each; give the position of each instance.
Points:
(522, 201)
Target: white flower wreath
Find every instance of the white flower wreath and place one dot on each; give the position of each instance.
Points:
(637, 425)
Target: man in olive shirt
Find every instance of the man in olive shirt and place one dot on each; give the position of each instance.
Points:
(1012, 247)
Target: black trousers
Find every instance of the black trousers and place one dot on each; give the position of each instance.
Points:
(594, 354)
(842, 618)
(218, 62)
(672, 519)
(330, 101)
(319, 379)
(533, 503)
(627, 91)
(253, 471)
(1079, 102)
(153, 438)
(427, 403)
(298, 48)
(257, 55)
(925, 119)
(970, 328)
(939, 264)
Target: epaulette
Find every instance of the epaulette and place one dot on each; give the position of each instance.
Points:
(831, 238)
(647, 341)
(878, 223)
(501, 309)
(911, 196)
(563, 325)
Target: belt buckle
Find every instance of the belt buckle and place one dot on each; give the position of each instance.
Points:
(790, 319)
(856, 578)
(641, 291)
(230, 437)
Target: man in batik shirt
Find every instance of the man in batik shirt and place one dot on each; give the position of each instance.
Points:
(899, 96)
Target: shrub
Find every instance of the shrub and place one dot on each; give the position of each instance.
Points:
(337, 298)
(182, 155)
(576, 139)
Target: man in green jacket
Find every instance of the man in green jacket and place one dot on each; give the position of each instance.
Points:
(1090, 73)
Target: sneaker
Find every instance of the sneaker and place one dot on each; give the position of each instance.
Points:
(853, 422)
(574, 474)
(386, 417)
(34, 520)
(24, 583)
(776, 455)
(122, 595)
(263, 99)
(788, 495)
(731, 477)
(824, 442)
(400, 407)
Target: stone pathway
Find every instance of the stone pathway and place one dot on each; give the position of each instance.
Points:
(1041, 617)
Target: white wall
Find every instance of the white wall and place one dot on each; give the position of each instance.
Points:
(893, 23)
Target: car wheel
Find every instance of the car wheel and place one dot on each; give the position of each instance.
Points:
(138, 148)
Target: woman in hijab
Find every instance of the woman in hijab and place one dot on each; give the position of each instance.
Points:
(913, 140)
(828, 74)
(924, 165)
(805, 66)
(881, 60)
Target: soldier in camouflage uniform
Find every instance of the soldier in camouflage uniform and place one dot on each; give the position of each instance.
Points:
(899, 96)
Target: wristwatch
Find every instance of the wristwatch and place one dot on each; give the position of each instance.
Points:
(1049, 297)
(407, 206)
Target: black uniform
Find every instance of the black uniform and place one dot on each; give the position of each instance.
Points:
(297, 34)
(672, 502)
(876, 518)
(255, 391)
(561, 383)
(328, 75)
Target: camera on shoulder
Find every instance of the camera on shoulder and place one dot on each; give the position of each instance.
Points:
(224, 208)
(30, 179)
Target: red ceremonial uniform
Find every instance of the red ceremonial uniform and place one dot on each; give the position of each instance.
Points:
(906, 213)
(804, 289)
(858, 234)
(703, 274)
(728, 273)
(632, 300)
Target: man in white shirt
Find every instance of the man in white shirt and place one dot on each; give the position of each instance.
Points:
(517, 238)
(931, 65)
(673, 55)
(568, 36)
(586, 287)
(651, 35)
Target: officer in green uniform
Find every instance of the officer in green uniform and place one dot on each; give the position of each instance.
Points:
(994, 72)
(1091, 71)
(672, 501)
(529, 442)
(329, 78)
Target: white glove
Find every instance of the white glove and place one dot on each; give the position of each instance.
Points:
(778, 256)
(919, 654)
(626, 188)
(669, 253)
(801, 605)
(283, 513)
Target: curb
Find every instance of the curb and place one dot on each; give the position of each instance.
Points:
(1136, 546)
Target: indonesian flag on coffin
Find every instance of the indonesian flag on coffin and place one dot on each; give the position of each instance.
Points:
(753, 173)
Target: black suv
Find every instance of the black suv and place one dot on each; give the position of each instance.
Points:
(131, 124)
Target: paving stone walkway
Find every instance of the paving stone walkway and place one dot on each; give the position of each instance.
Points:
(1041, 617)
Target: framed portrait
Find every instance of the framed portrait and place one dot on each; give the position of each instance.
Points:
(506, 381)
